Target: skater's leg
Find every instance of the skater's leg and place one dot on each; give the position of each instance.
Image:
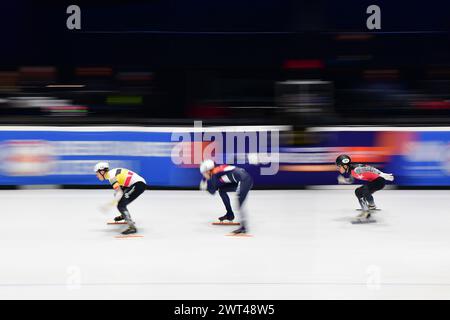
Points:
(134, 191)
(223, 192)
(226, 201)
(373, 187)
(243, 189)
(370, 200)
(362, 193)
(122, 207)
(129, 195)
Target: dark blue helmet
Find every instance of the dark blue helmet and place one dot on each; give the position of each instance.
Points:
(343, 159)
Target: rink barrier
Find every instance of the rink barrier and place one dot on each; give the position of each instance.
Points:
(377, 129)
(56, 155)
(49, 156)
(348, 187)
(417, 156)
(146, 129)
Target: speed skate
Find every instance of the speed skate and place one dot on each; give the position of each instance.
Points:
(363, 220)
(237, 235)
(226, 223)
(128, 236)
(363, 217)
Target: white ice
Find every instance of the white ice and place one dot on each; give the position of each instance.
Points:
(56, 244)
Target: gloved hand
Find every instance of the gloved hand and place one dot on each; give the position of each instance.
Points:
(203, 185)
(118, 195)
(342, 180)
(387, 176)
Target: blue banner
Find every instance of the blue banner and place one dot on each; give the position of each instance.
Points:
(165, 157)
(424, 159)
(67, 156)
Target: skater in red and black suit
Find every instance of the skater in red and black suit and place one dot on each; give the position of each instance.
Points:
(376, 181)
(226, 178)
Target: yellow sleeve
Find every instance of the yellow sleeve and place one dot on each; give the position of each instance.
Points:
(121, 175)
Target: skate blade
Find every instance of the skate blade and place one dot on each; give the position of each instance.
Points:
(126, 236)
(359, 209)
(223, 223)
(363, 221)
(243, 235)
(115, 222)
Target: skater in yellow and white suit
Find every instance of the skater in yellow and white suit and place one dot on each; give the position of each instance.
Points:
(128, 185)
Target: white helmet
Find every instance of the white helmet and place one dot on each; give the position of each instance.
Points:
(207, 165)
(101, 166)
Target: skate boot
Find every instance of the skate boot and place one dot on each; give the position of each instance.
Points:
(119, 218)
(228, 216)
(241, 230)
(363, 217)
(371, 207)
(363, 214)
(130, 230)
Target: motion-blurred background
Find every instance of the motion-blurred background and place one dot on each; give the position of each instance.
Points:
(307, 68)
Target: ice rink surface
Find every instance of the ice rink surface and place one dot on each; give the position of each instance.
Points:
(56, 244)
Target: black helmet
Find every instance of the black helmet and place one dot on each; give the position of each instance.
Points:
(343, 159)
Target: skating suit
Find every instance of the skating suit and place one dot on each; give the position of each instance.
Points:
(226, 178)
(364, 172)
(132, 185)
(230, 178)
(124, 177)
(369, 174)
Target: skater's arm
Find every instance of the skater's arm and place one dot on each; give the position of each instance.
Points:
(117, 196)
(369, 171)
(203, 185)
(345, 180)
(387, 176)
(211, 186)
(118, 193)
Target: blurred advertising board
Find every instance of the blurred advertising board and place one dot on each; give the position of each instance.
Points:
(164, 156)
(169, 157)
(417, 156)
